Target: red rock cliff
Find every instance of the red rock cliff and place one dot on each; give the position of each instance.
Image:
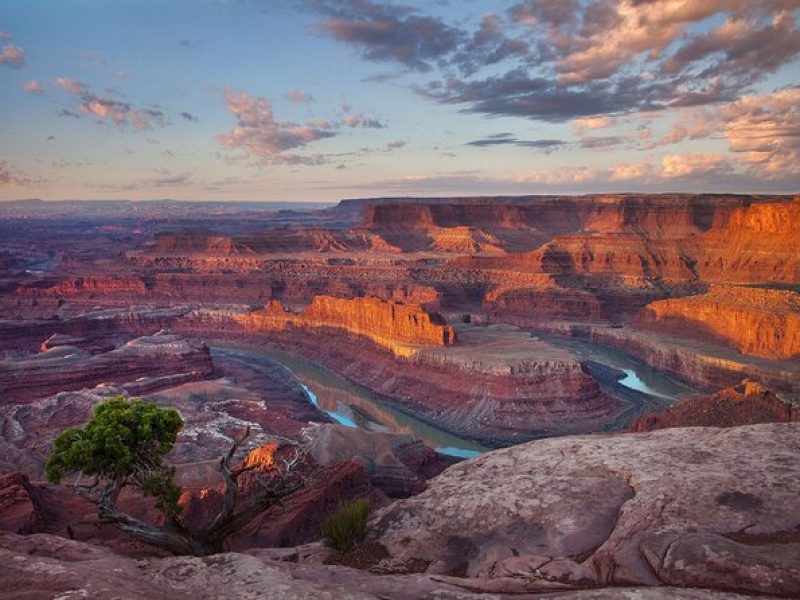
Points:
(757, 322)
(744, 404)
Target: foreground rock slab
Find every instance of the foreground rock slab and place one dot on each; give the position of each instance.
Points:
(45, 566)
(699, 507)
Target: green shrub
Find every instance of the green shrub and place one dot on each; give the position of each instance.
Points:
(347, 525)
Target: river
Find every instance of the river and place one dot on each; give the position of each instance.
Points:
(638, 375)
(354, 406)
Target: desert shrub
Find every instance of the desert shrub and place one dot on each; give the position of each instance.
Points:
(347, 525)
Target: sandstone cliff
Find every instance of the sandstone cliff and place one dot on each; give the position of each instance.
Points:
(757, 322)
(390, 324)
(751, 243)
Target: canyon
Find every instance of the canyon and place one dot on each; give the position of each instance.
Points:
(431, 330)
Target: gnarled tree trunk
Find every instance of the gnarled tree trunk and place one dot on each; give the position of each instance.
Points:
(176, 538)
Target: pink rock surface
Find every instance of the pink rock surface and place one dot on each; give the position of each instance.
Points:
(604, 504)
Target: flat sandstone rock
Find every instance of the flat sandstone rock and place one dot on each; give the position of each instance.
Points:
(699, 507)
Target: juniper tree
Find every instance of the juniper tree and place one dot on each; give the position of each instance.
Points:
(124, 445)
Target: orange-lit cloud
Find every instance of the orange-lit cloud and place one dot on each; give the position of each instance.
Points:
(32, 87)
(259, 135)
(299, 96)
(105, 108)
(691, 163)
(584, 123)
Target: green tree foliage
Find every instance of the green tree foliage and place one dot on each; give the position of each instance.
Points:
(125, 440)
(347, 526)
(124, 445)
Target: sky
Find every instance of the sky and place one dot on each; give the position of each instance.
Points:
(329, 99)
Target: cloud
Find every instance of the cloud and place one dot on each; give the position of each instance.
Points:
(386, 32)
(594, 122)
(70, 85)
(65, 112)
(259, 135)
(746, 47)
(299, 96)
(582, 124)
(489, 45)
(502, 139)
(766, 129)
(32, 87)
(693, 124)
(105, 108)
(169, 179)
(188, 116)
(353, 121)
(559, 60)
(640, 171)
(10, 178)
(762, 131)
(602, 141)
(12, 56)
(684, 167)
(562, 176)
(692, 164)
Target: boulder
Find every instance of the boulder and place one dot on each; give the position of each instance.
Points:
(397, 464)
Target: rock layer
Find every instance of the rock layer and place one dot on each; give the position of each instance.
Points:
(68, 367)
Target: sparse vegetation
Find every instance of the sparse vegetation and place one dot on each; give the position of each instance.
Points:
(347, 526)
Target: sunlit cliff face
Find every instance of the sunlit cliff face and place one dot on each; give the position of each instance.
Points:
(398, 327)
